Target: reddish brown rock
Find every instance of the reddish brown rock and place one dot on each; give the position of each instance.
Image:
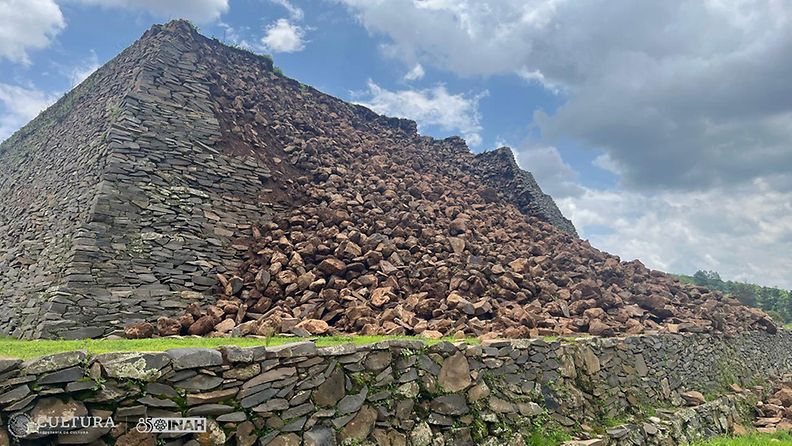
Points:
(599, 328)
(186, 320)
(457, 244)
(168, 326)
(381, 296)
(314, 326)
(458, 226)
(225, 326)
(202, 326)
(694, 398)
(332, 266)
(431, 334)
(784, 396)
(139, 330)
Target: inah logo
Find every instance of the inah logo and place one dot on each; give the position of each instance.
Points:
(169, 425)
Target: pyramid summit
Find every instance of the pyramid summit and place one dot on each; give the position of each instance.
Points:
(191, 182)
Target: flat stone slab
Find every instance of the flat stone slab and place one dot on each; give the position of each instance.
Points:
(193, 358)
(52, 363)
(142, 366)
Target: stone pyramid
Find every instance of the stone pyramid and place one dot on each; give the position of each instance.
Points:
(124, 199)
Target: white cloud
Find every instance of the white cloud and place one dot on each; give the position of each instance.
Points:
(415, 73)
(536, 76)
(24, 102)
(235, 36)
(295, 12)
(605, 162)
(430, 107)
(283, 37)
(202, 11)
(33, 24)
(28, 25)
(469, 37)
(20, 105)
(472, 139)
(744, 233)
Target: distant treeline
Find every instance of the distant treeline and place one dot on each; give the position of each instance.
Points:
(774, 301)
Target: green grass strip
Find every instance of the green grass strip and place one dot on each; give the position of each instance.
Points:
(26, 349)
(776, 439)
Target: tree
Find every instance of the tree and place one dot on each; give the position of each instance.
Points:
(745, 294)
(709, 279)
(774, 301)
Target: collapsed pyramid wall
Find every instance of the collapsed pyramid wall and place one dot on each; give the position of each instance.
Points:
(390, 232)
(123, 200)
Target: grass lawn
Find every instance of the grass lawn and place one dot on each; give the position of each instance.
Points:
(14, 348)
(776, 439)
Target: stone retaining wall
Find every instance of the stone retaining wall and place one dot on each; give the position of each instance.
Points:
(691, 424)
(394, 392)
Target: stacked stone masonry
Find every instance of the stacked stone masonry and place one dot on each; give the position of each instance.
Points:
(139, 209)
(50, 172)
(402, 392)
(121, 202)
(500, 170)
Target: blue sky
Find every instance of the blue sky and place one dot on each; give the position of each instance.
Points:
(662, 129)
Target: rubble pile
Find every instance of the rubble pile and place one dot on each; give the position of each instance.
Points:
(377, 230)
(776, 413)
(368, 260)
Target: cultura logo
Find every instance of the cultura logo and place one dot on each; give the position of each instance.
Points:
(22, 425)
